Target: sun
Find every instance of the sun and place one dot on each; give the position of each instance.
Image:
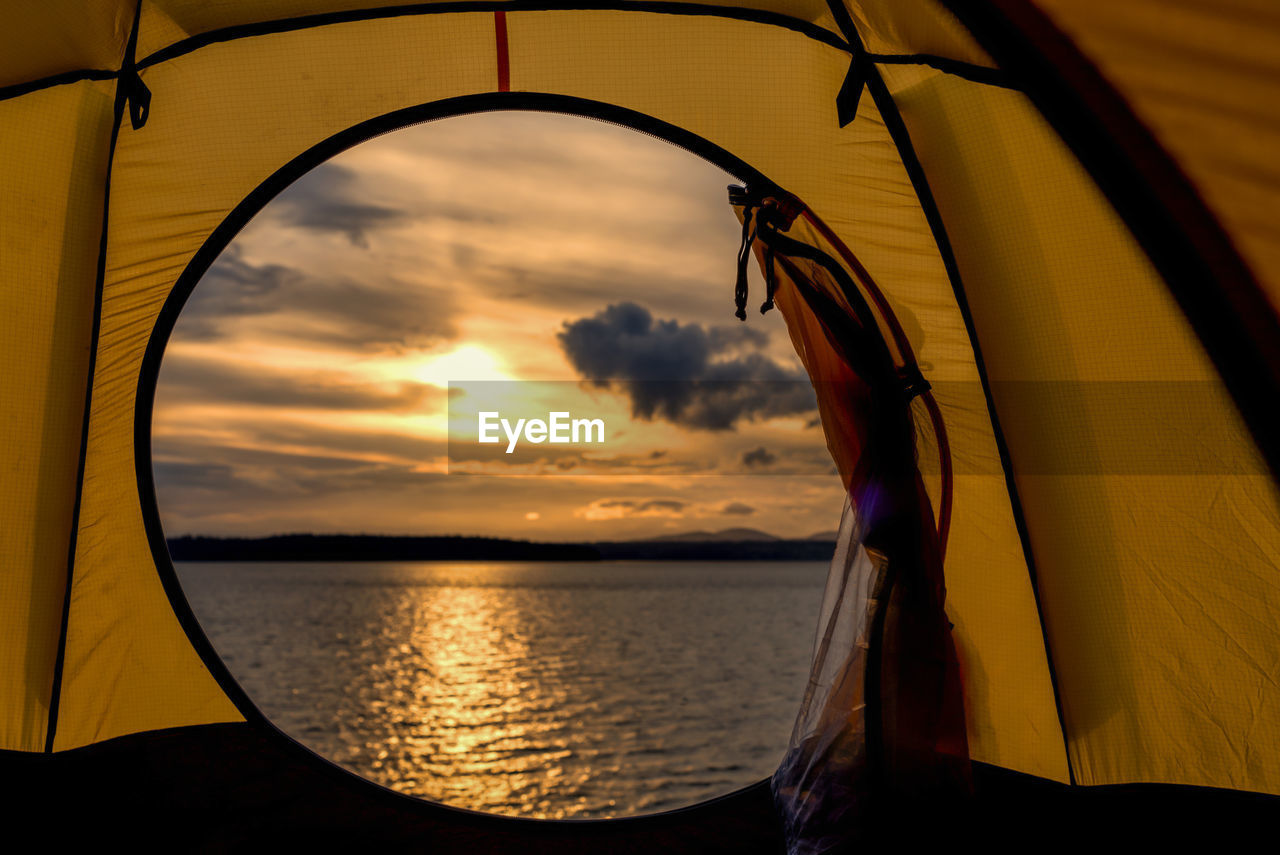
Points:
(468, 362)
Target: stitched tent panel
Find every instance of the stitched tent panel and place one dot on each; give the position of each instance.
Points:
(53, 157)
(989, 596)
(172, 183)
(1153, 583)
(1205, 78)
(929, 30)
(168, 22)
(43, 38)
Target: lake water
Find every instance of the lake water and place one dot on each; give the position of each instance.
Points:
(532, 689)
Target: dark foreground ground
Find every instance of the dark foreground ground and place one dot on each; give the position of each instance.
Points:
(243, 787)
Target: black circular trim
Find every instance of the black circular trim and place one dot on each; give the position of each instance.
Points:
(204, 258)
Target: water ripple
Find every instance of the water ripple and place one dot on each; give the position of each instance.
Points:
(546, 690)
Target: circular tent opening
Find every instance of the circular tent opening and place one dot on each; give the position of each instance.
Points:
(323, 380)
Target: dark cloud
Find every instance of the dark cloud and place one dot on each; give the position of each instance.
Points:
(260, 438)
(685, 374)
(232, 475)
(330, 199)
(233, 288)
(543, 461)
(580, 286)
(625, 508)
(335, 312)
(358, 315)
(737, 509)
(759, 457)
(339, 441)
(660, 505)
(184, 474)
(335, 199)
(185, 379)
(739, 337)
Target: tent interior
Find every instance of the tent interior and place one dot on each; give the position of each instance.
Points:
(1080, 619)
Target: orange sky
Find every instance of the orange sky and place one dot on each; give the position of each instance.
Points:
(305, 385)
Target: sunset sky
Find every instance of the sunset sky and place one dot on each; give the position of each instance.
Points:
(536, 262)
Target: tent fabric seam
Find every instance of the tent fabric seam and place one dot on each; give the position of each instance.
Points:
(1180, 234)
(55, 694)
(968, 71)
(80, 75)
(306, 22)
(897, 129)
(919, 179)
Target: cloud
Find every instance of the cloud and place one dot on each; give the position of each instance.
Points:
(233, 287)
(737, 338)
(191, 380)
(616, 509)
(329, 199)
(252, 438)
(329, 311)
(759, 457)
(357, 442)
(245, 491)
(463, 224)
(685, 374)
(188, 475)
(737, 509)
(233, 474)
(577, 284)
(543, 461)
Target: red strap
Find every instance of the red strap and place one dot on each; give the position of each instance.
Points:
(504, 60)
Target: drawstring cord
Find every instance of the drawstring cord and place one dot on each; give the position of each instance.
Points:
(749, 236)
(744, 254)
(761, 215)
(770, 279)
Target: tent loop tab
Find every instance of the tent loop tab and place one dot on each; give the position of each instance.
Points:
(130, 87)
(850, 94)
(775, 210)
(137, 95)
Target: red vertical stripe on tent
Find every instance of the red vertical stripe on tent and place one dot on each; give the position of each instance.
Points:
(504, 61)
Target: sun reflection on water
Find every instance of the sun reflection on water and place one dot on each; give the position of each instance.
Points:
(538, 690)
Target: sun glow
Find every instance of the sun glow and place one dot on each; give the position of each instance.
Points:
(468, 362)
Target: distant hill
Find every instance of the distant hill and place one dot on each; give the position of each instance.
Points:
(752, 546)
(825, 536)
(773, 549)
(741, 535)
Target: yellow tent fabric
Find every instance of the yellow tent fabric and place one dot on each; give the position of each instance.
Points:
(1112, 572)
(1205, 78)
